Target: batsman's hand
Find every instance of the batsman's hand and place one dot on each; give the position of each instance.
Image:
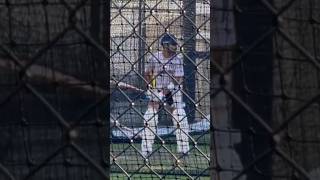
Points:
(154, 95)
(171, 86)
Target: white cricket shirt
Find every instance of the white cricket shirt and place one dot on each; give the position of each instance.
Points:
(164, 68)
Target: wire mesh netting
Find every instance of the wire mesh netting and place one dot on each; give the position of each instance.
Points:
(264, 91)
(52, 90)
(170, 143)
(266, 97)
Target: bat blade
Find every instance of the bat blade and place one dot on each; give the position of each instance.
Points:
(126, 86)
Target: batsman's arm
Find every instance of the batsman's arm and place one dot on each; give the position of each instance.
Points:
(179, 81)
(179, 72)
(149, 73)
(149, 78)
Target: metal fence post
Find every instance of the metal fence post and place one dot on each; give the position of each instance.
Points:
(189, 35)
(142, 34)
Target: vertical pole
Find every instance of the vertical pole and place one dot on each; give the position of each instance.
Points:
(252, 77)
(95, 20)
(189, 37)
(213, 158)
(98, 63)
(142, 34)
(105, 132)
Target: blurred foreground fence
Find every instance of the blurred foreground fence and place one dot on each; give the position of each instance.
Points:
(264, 62)
(53, 90)
(266, 100)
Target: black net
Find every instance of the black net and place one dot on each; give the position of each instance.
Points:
(266, 95)
(264, 89)
(137, 28)
(53, 94)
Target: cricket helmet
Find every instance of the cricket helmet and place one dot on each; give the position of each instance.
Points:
(169, 39)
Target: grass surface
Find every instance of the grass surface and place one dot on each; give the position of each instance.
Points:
(118, 176)
(164, 162)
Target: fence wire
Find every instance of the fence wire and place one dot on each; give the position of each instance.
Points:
(266, 94)
(53, 94)
(264, 101)
(177, 140)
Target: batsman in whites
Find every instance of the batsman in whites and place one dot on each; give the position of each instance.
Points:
(164, 72)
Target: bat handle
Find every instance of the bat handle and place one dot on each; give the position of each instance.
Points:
(153, 82)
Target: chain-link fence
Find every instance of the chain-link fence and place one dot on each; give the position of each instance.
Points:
(171, 143)
(53, 93)
(266, 99)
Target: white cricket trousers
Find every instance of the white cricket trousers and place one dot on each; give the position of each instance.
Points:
(180, 121)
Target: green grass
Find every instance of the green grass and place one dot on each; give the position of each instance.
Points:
(161, 161)
(120, 176)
